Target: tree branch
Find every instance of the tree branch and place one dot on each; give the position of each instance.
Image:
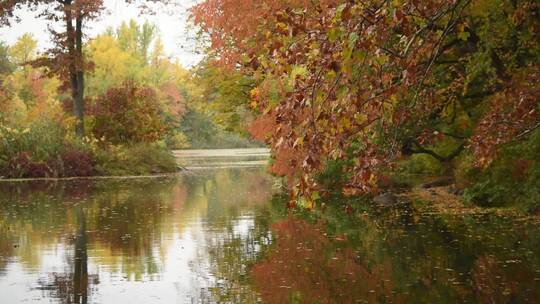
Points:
(421, 150)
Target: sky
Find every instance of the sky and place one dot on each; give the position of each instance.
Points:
(172, 23)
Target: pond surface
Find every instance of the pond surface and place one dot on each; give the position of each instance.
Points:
(223, 235)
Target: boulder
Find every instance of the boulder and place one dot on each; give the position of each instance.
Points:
(386, 199)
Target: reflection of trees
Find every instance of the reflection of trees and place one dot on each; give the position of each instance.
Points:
(234, 238)
(389, 255)
(80, 273)
(304, 266)
(123, 219)
(125, 224)
(401, 256)
(73, 285)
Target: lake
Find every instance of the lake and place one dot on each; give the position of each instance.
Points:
(220, 232)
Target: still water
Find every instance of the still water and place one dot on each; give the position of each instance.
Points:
(224, 235)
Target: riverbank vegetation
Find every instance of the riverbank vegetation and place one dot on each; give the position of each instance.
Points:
(352, 96)
(138, 105)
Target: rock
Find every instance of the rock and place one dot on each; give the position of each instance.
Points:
(386, 199)
(455, 191)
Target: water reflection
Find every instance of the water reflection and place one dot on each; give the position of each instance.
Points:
(139, 241)
(401, 256)
(73, 285)
(221, 236)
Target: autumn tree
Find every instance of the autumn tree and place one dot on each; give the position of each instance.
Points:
(128, 113)
(224, 93)
(135, 38)
(24, 50)
(6, 65)
(67, 55)
(367, 83)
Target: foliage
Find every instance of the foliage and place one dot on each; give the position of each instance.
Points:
(65, 59)
(24, 50)
(371, 82)
(133, 53)
(224, 93)
(40, 149)
(6, 65)
(136, 159)
(46, 149)
(128, 113)
(177, 140)
(203, 133)
(512, 179)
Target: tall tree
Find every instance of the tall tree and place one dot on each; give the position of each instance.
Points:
(67, 56)
(24, 50)
(6, 65)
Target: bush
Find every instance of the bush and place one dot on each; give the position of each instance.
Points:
(136, 159)
(43, 149)
(30, 151)
(421, 164)
(128, 114)
(42, 139)
(22, 166)
(512, 180)
(75, 162)
(177, 140)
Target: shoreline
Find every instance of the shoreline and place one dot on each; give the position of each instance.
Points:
(157, 175)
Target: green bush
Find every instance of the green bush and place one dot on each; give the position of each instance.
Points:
(176, 141)
(39, 149)
(44, 149)
(512, 180)
(43, 139)
(136, 159)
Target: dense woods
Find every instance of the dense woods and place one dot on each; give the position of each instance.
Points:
(350, 93)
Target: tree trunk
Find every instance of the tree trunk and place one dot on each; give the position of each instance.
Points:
(78, 101)
(76, 73)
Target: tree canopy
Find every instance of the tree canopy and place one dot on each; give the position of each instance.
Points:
(366, 83)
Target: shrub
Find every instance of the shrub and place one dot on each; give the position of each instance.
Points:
(22, 166)
(128, 114)
(43, 149)
(44, 139)
(177, 140)
(203, 133)
(134, 159)
(75, 162)
(511, 180)
(421, 164)
(29, 151)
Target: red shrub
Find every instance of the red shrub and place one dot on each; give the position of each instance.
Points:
(22, 166)
(76, 163)
(128, 113)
